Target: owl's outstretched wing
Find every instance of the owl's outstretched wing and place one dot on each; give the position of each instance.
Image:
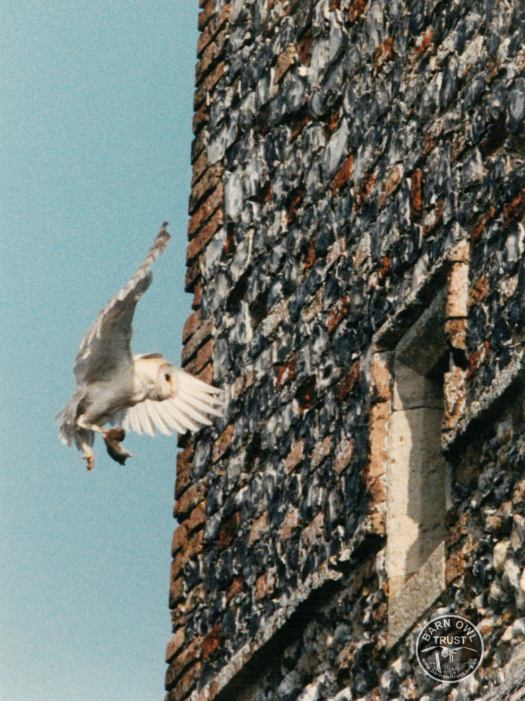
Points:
(188, 409)
(106, 346)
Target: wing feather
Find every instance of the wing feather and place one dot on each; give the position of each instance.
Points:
(159, 418)
(106, 346)
(176, 418)
(215, 408)
(146, 423)
(188, 409)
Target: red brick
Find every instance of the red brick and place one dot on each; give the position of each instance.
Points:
(456, 333)
(297, 124)
(209, 181)
(180, 538)
(349, 381)
(197, 290)
(321, 451)
(434, 218)
(479, 290)
(304, 48)
(477, 358)
(343, 454)
(378, 434)
(381, 378)
(223, 442)
(184, 470)
(416, 193)
(235, 588)
(191, 280)
(176, 591)
(203, 356)
(385, 266)
(197, 517)
(376, 488)
(195, 597)
(258, 528)
(185, 685)
(306, 394)
(454, 567)
(201, 117)
(425, 42)
(293, 207)
(206, 209)
(515, 209)
(285, 61)
(175, 644)
(338, 312)
(206, 15)
(457, 290)
(391, 184)
(384, 52)
(207, 85)
(295, 456)
(191, 325)
(333, 121)
(199, 144)
(189, 500)
(343, 175)
(286, 372)
(429, 144)
(365, 190)
(201, 334)
(265, 585)
(212, 29)
(290, 523)
(187, 657)
(356, 10)
(205, 235)
(311, 257)
(482, 223)
(192, 547)
(314, 531)
(206, 374)
(229, 530)
(210, 55)
(212, 641)
(200, 166)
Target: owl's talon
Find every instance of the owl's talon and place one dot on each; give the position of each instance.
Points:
(90, 461)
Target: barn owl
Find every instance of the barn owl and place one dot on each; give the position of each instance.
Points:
(141, 393)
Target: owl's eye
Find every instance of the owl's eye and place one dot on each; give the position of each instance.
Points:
(167, 377)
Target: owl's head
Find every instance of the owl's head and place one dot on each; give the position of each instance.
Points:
(166, 383)
(155, 378)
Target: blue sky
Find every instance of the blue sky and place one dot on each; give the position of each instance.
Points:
(95, 146)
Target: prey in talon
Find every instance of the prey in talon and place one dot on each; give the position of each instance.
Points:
(141, 393)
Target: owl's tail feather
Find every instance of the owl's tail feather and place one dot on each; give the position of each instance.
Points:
(69, 432)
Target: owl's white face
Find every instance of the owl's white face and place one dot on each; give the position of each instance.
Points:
(154, 378)
(165, 384)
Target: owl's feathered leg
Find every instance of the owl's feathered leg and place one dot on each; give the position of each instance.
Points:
(82, 423)
(89, 455)
(113, 438)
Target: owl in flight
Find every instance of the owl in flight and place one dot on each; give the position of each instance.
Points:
(141, 393)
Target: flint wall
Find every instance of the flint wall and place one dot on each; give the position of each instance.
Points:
(352, 160)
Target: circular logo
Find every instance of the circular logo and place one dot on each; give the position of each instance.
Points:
(449, 648)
